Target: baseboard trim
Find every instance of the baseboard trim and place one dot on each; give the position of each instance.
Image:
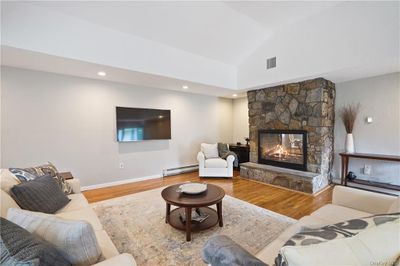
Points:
(120, 182)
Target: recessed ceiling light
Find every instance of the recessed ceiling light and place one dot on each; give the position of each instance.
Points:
(185, 87)
(234, 95)
(101, 73)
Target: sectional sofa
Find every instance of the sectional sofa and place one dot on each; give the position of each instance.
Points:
(77, 209)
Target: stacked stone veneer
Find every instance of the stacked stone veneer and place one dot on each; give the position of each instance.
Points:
(308, 105)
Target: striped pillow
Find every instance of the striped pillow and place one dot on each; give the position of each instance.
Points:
(41, 194)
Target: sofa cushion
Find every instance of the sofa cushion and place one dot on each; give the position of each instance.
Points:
(22, 174)
(395, 207)
(41, 194)
(7, 180)
(268, 253)
(76, 240)
(124, 259)
(378, 244)
(215, 163)
(108, 250)
(209, 150)
(77, 202)
(85, 214)
(6, 203)
(336, 213)
(20, 247)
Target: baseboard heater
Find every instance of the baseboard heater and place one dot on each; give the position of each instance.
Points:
(180, 170)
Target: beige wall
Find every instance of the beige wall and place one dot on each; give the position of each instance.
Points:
(71, 122)
(379, 98)
(240, 120)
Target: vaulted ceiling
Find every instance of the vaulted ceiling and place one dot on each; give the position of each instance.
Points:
(215, 47)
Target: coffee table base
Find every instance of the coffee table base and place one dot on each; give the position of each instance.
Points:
(175, 221)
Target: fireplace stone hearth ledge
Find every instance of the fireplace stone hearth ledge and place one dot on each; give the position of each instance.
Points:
(308, 106)
(307, 182)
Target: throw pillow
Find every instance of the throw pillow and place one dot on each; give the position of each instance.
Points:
(41, 194)
(378, 245)
(23, 175)
(308, 236)
(210, 150)
(19, 247)
(223, 150)
(26, 174)
(75, 240)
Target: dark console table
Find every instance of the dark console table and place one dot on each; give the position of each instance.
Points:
(242, 151)
(382, 157)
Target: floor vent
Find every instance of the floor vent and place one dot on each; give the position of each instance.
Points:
(180, 170)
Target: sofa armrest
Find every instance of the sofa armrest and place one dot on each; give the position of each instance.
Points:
(124, 259)
(201, 157)
(222, 251)
(75, 185)
(230, 159)
(362, 200)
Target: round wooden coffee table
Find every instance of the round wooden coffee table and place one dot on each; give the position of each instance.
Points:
(186, 203)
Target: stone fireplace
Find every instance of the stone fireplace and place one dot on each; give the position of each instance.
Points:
(291, 135)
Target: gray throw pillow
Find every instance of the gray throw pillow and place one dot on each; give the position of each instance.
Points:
(19, 247)
(76, 240)
(41, 194)
(223, 150)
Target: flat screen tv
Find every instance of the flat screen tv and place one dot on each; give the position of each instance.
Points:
(137, 124)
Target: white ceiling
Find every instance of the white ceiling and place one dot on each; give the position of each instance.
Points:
(223, 31)
(217, 48)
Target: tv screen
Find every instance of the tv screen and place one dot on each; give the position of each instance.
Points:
(137, 124)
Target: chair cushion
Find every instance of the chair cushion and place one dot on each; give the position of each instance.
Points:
(215, 163)
(76, 240)
(209, 150)
(20, 247)
(42, 194)
(7, 180)
(78, 202)
(395, 207)
(336, 213)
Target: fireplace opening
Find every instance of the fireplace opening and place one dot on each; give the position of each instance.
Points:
(283, 148)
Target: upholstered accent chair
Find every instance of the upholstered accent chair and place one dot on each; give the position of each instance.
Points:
(211, 165)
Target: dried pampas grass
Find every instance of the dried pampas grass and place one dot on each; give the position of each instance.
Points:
(348, 114)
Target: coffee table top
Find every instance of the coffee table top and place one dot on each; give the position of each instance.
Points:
(212, 195)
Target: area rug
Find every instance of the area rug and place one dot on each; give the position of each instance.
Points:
(136, 225)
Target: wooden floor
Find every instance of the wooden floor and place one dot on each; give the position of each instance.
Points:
(286, 202)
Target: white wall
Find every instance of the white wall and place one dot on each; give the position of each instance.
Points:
(71, 122)
(240, 120)
(379, 98)
(353, 39)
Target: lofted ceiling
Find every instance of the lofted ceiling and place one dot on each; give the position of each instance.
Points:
(223, 31)
(218, 47)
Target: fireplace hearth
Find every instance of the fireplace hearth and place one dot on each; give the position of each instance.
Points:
(283, 148)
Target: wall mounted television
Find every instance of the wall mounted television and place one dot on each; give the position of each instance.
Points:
(138, 124)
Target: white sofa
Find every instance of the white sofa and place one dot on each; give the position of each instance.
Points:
(347, 203)
(77, 209)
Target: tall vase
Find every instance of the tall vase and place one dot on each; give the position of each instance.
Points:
(349, 144)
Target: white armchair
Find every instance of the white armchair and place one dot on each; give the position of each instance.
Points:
(215, 166)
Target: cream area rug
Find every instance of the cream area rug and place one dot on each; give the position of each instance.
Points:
(136, 225)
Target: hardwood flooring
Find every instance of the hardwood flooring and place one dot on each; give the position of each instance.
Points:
(287, 202)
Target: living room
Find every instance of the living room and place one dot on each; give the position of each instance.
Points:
(284, 115)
